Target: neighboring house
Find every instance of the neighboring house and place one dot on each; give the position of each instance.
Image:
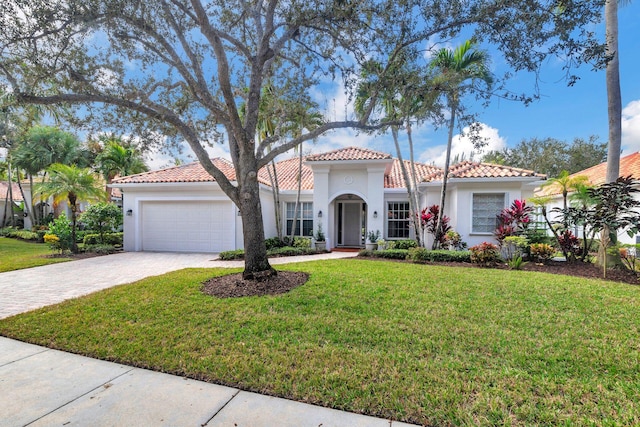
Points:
(5, 204)
(349, 191)
(596, 175)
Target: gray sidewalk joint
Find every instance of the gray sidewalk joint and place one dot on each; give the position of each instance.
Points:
(221, 408)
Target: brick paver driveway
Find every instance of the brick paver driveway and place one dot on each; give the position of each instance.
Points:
(31, 288)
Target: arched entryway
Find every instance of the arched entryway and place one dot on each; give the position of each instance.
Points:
(350, 221)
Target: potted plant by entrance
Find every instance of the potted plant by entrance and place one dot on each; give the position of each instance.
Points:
(372, 240)
(321, 243)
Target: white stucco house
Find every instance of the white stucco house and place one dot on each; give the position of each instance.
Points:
(349, 191)
(596, 176)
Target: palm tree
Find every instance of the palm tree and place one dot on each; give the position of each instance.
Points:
(614, 99)
(73, 184)
(403, 98)
(303, 119)
(456, 67)
(119, 159)
(39, 148)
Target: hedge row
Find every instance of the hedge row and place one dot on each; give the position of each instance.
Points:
(274, 252)
(109, 239)
(420, 255)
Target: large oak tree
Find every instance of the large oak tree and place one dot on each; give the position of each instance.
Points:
(182, 68)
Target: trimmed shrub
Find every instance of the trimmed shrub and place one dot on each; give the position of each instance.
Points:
(274, 242)
(486, 254)
(101, 249)
(291, 251)
(386, 254)
(426, 255)
(301, 242)
(110, 239)
(232, 255)
(402, 244)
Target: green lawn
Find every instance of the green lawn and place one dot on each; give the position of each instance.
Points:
(16, 254)
(418, 343)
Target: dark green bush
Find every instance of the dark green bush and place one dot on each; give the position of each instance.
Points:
(275, 252)
(402, 244)
(109, 239)
(274, 242)
(426, 255)
(386, 254)
(6, 231)
(291, 251)
(232, 255)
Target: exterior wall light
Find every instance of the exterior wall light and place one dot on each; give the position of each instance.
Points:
(375, 214)
(319, 214)
(130, 212)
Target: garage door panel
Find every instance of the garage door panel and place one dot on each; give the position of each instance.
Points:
(205, 226)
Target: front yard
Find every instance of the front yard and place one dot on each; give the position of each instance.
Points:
(18, 254)
(427, 344)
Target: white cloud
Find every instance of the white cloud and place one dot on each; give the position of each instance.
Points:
(631, 127)
(462, 145)
(160, 158)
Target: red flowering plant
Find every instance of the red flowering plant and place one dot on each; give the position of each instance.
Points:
(514, 220)
(429, 218)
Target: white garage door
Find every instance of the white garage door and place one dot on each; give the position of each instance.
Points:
(179, 226)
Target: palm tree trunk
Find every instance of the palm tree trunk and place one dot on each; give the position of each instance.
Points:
(407, 180)
(414, 182)
(275, 191)
(295, 211)
(10, 190)
(445, 177)
(28, 205)
(614, 100)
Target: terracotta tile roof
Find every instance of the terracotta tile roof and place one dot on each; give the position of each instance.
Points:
(349, 153)
(467, 169)
(191, 172)
(596, 175)
(395, 179)
(287, 171)
(15, 190)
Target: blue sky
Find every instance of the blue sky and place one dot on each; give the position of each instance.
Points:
(562, 112)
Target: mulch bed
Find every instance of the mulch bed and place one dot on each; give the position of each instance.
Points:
(234, 286)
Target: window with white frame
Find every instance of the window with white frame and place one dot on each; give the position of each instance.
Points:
(486, 207)
(398, 220)
(305, 215)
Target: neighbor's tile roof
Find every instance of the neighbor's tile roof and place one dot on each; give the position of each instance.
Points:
(467, 169)
(396, 180)
(15, 190)
(191, 172)
(596, 175)
(349, 153)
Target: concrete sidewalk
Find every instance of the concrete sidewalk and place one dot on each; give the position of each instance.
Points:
(44, 387)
